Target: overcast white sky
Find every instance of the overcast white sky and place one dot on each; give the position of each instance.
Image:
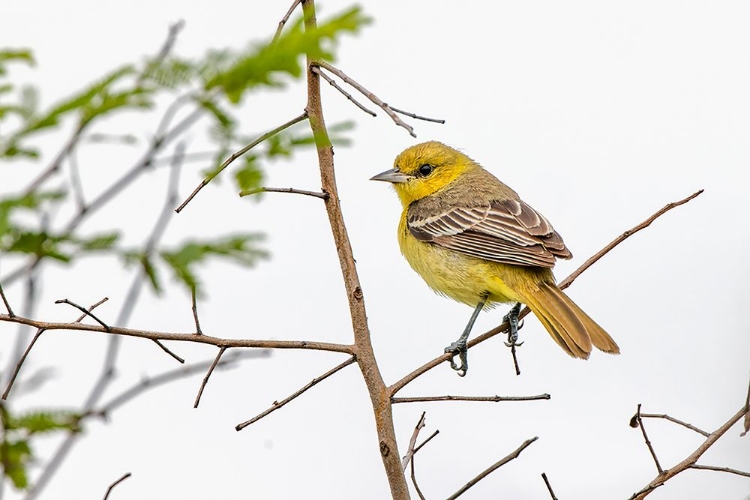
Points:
(596, 113)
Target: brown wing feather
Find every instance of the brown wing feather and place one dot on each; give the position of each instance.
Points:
(508, 231)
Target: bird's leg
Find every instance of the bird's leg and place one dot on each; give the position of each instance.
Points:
(459, 346)
(513, 327)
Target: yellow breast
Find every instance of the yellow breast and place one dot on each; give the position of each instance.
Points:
(458, 276)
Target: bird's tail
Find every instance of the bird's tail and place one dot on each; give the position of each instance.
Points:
(569, 326)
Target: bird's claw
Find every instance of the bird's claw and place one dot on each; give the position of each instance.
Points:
(462, 351)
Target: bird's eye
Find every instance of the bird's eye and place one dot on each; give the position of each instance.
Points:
(425, 170)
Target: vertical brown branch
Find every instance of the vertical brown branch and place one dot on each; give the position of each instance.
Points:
(379, 395)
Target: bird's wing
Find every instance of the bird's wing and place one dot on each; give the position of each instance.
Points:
(508, 231)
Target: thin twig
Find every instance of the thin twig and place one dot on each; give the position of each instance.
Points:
(400, 384)
(489, 399)
(276, 404)
(170, 376)
(549, 486)
(316, 194)
(285, 19)
(85, 312)
(198, 330)
(413, 466)
(38, 334)
(5, 301)
(720, 469)
(168, 351)
(417, 117)
(91, 308)
(639, 422)
(236, 155)
(627, 234)
(746, 423)
(493, 467)
(123, 478)
(691, 460)
(680, 422)
(372, 97)
(208, 374)
(413, 441)
(346, 94)
(414, 481)
(17, 369)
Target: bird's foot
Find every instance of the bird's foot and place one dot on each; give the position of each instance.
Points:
(513, 326)
(459, 348)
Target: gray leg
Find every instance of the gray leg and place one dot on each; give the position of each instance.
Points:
(512, 319)
(459, 346)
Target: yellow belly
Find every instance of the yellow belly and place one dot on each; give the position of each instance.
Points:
(463, 278)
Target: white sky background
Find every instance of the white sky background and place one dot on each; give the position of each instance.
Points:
(597, 114)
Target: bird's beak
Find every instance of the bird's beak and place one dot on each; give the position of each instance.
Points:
(393, 175)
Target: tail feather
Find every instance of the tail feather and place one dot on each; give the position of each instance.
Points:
(569, 326)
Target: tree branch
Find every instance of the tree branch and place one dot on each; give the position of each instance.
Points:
(316, 194)
(489, 399)
(111, 486)
(276, 405)
(413, 441)
(208, 375)
(236, 155)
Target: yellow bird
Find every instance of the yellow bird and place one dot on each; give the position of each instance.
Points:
(474, 240)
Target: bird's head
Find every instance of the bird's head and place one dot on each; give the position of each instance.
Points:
(425, 169)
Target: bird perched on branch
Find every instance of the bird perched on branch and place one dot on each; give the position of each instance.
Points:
(474, 240)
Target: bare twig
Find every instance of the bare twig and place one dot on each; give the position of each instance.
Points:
(627, 234)
(111, 486)
(691, 460)
(170, 376)
(400, 384)
(413, 466)
(285, 19)
(5, 301)
(236, 155)
(417, 117)
(276, 404)
(720, 469)
(372, 97)
(413, 441)
(549, 486)
(168, 351)
(208, 374)
(346, 94)
(17, 369)
(91, 308)
(489, 399)
(198, 330)
(672, 419)
(639, 423)
(493, 467)
(38, 334)
(85, 312)
(746, 423)
(316, 194)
